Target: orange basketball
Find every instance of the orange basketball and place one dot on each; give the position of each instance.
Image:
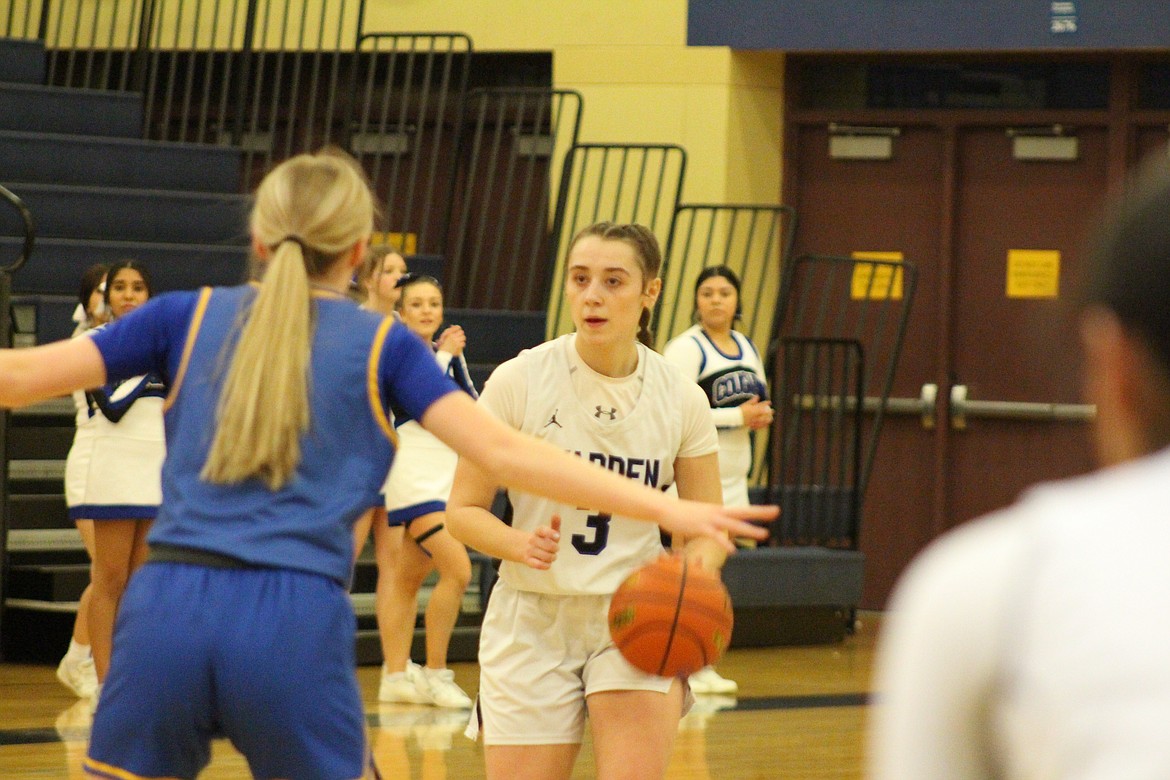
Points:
(671, 618)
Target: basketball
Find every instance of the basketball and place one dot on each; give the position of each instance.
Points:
(671, 618)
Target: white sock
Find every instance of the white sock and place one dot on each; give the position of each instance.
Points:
(77, 652)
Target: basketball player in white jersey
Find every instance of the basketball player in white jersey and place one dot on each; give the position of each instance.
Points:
(546, 657)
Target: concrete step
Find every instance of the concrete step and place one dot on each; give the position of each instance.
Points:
(120, 214)
(118, 162)
(55, 583)
(46, 109)
(32, 439)
(38, 511)
(57, 263)
(22, 61)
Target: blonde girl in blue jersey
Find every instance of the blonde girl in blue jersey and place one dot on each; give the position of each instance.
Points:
(546, 657)
(240, 622)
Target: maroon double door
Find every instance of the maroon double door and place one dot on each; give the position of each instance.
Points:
(987, 395)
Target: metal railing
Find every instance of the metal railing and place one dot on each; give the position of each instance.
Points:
(616, 182)
(818, 442)
(260, 74)
(868, 301)
(6, 272)
(754, 241)
(403, 126)
(511, 139)
(494, 180)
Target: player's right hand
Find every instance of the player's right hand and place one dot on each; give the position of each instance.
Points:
(543, 544)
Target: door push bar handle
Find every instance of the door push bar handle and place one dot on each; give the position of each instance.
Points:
(962, 408)
(924, 405)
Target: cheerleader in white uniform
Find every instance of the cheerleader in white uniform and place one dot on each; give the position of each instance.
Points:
(376, 288)
(416, 503)
(76, 670)
(727, 366)
(122, 486)
(546, 657)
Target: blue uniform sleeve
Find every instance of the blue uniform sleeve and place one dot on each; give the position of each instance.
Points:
(410, 377)
(149, 339)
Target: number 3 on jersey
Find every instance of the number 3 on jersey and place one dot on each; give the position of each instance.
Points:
(600, 524)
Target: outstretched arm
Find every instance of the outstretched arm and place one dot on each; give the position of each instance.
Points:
(37, 373)
(697, 479)
(508, 457)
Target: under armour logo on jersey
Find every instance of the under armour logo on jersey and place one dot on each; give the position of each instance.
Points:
(611, 413)
(553, 420)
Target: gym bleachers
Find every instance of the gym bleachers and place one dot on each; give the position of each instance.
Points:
(100, 193)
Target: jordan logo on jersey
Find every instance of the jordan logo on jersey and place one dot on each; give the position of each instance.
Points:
(553, 420)
(610, 413)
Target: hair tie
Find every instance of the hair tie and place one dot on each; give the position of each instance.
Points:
(293, 237)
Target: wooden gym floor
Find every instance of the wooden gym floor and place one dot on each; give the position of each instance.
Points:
(800, 714)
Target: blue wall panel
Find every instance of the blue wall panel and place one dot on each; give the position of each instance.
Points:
(929, 25)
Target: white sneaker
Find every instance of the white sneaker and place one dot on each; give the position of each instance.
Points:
(400, 719)
(443, 690)
(74, 722)
(707, 680)
(436, 732)
(406, 687)
(78, 676)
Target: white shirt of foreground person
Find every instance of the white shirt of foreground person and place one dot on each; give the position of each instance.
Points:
(1035, 642)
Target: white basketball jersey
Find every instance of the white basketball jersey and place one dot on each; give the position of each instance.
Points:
(598, 550)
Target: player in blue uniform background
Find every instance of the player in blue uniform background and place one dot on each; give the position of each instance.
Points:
(240, 622)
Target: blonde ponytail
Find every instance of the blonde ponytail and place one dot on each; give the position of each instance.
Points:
(309, 211)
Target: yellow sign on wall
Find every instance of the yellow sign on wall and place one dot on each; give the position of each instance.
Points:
(1033, 273)
(874, 282)
(406, 243)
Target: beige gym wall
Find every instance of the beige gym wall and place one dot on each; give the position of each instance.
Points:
(640, 81)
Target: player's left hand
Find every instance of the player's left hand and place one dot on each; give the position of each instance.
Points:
(692, 519)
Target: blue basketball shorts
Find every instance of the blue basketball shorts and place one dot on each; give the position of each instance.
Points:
(264, 657)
